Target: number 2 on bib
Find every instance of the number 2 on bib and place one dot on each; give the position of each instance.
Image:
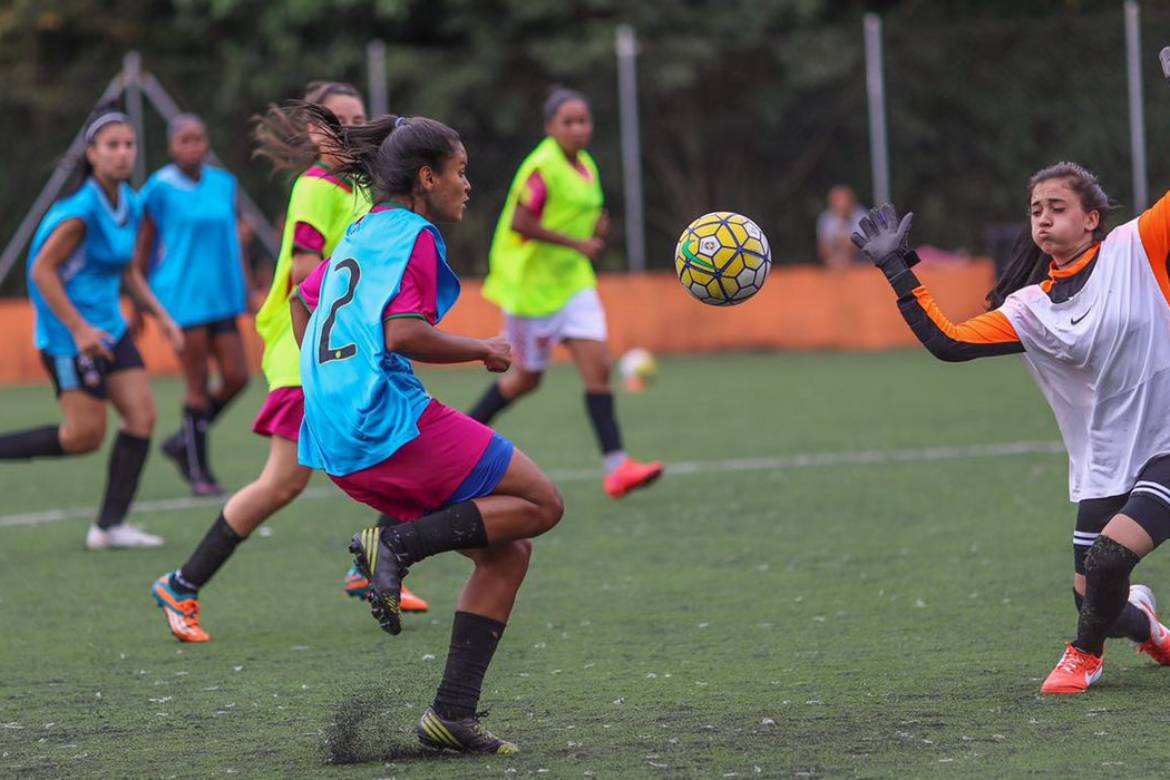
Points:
(326, 353)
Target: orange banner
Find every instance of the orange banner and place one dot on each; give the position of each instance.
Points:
(799, 308)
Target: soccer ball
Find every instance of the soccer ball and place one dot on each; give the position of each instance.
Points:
(638, 368)
(722, 258)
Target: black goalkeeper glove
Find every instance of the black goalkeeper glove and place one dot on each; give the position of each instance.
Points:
(883, 239)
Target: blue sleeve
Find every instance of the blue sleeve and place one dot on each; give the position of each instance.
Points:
(152, 199)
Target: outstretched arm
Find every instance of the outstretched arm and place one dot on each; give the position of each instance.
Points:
(884, 240)
(418, 340)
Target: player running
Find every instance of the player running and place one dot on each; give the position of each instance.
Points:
(551, 230)
(189, 245)
(79, 260)
(321, 206)
(371, 426)
(1088, 310)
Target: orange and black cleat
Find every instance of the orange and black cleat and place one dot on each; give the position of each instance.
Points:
(181, 609)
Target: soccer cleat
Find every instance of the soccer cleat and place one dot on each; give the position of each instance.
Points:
(175, 449)
(377, 562)
(466, 735)
(181, 609)
(120, 537)
(1158, 645)
(358, 586)
(411, 601)
(1075, 672)
(206, 486)
(631, 475)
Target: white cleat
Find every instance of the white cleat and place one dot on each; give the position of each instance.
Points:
(120, 537)
(1158, 645)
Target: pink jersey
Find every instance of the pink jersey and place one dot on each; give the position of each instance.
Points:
(417, 293)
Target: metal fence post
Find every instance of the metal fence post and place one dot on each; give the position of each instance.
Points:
(876, 91)
(627, 53)
(1137, 119)
(131, 82)
(376, 77)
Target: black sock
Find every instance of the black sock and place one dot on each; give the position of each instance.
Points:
(215, 406)
(457, 527)
(600, 407)
(388, 521)
(1107, 568)
(34, 443)
(473, 643)
(217, 546)
(491, 403)
(127, 458)
(1132, 624)
(195, 424)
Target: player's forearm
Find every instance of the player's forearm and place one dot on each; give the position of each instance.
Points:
(49, 285)
(139, 290)
(418, 340)
(303, 264)
(529, 226)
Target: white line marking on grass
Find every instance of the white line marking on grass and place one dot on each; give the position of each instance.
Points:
(677, 468)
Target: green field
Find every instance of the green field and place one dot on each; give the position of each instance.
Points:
(885, 609)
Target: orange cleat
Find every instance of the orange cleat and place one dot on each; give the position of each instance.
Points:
(1158, 645)
(410, 601)
(629, 476)
(181, 609)
(1075, 672)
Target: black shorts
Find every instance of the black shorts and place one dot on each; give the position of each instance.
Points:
(216, 327)
(1148, 504)
(81, 372)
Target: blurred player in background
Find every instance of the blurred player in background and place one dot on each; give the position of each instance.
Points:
(321, 207)
(81, 256)
(370, 424)
(189, 246)
(1088, 310)
(550, 233)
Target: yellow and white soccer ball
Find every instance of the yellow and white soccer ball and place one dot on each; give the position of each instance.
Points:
(722, 258)
(638, 369)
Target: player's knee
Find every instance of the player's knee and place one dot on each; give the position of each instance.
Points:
(285, 491)
(82, 437)
(141, 421)
(550, 506)
(525, 382)
(1109, 559)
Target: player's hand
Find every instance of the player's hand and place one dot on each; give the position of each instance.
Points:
(591, 247)
(884, 239)
(602, 229)
(92, 341)
(499, 354)
(172, 332)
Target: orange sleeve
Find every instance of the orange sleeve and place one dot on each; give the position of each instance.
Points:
(991, 327)
(1154, 229)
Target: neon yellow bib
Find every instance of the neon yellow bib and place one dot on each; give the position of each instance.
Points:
(529, 278)
(329, 205)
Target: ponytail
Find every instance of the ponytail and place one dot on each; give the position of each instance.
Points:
(383, 156)
(281, 133)
(1028, 264)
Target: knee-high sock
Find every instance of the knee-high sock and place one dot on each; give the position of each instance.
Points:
(491, 403)
(43, 442)
(127, 457)
(474, 639)
(457, 527)
(1107, 569)
(217, 545)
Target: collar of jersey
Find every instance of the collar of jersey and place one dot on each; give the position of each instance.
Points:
(386, 205)
(1076, 266)
(118, 214)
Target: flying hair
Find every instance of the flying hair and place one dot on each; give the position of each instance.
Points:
(281, 133)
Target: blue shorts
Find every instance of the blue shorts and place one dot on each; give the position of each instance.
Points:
(485, 476)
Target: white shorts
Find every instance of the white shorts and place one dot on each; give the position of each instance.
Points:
(533, 338)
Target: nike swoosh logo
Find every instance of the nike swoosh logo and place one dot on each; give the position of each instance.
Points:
(692, 257)
(1077, 320)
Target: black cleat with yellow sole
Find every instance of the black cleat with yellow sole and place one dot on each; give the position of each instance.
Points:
(378, 563)
(466, 735)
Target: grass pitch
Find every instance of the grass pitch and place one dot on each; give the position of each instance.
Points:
(886, 608)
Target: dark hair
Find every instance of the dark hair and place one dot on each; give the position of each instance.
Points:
(180, 121)
(557, 97)
(1028, 264)
(103, 115)
(384, 156)
(280, 134)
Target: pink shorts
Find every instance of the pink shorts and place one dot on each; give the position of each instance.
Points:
(281, 414)
(424, 472)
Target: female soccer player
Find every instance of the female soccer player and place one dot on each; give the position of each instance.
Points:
(189, 243)
(321, 206)
(371, 426)
(1088, 309)
(79, 259)
(552, 228)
